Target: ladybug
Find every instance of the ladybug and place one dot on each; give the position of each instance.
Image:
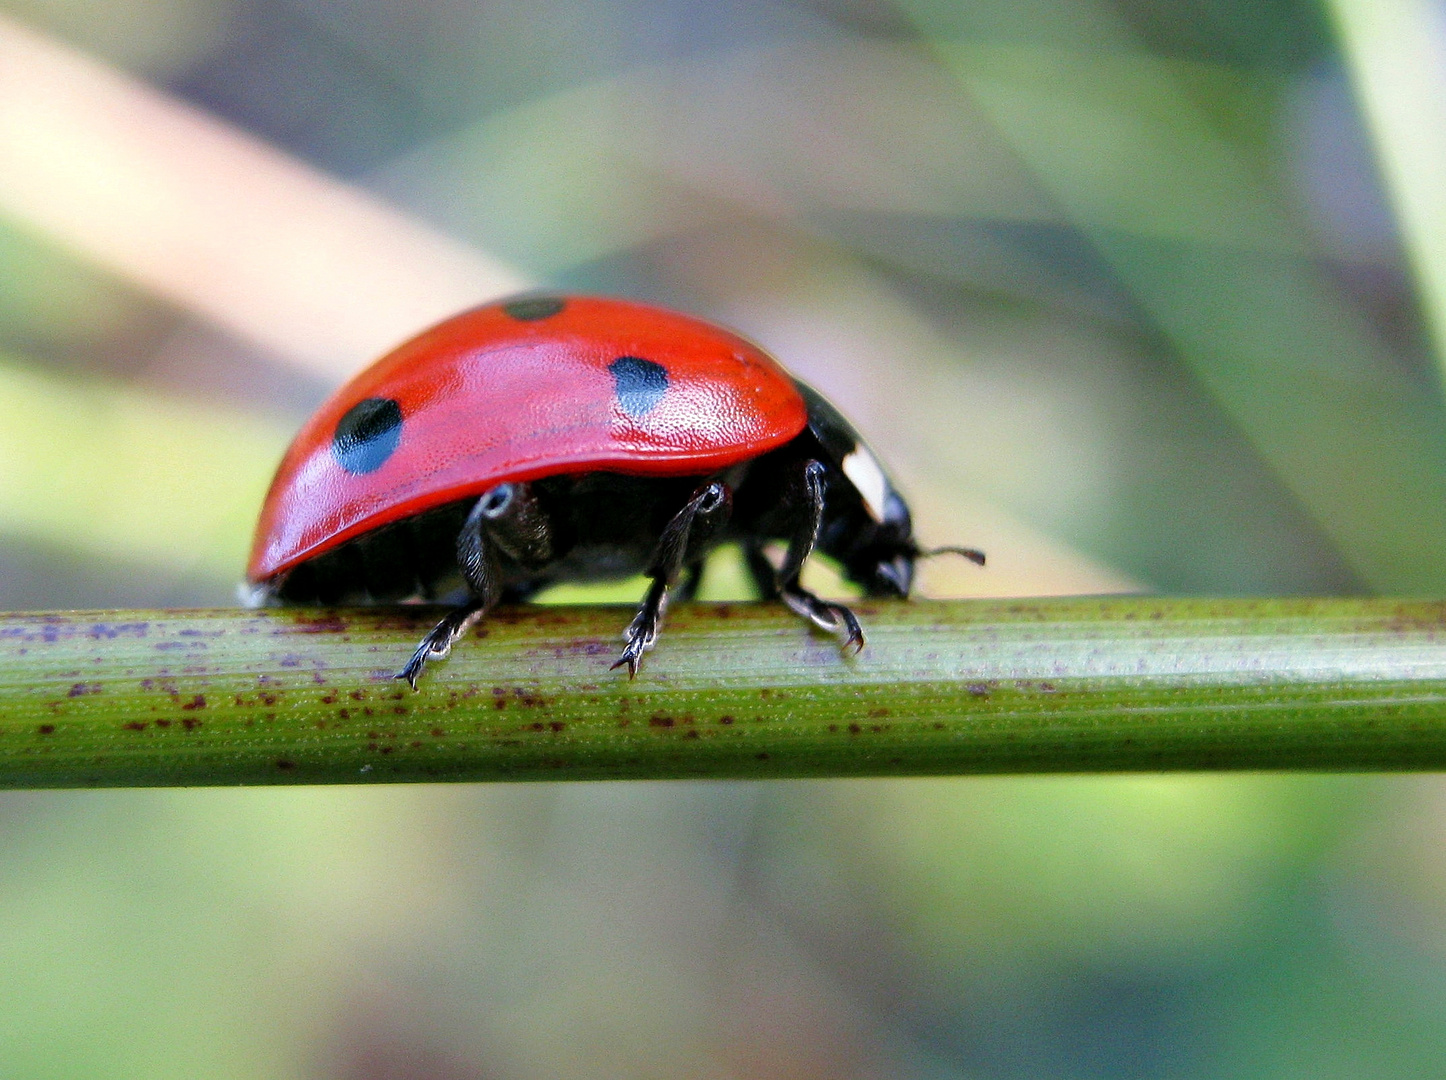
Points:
(551, 438)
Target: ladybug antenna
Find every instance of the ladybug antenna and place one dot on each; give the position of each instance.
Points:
(972, 554)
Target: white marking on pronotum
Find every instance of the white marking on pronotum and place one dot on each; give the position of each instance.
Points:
(254, 596)
(861, 468)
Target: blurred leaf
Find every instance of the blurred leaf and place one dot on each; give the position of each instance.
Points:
(1127, 148)
(554, 182)
(1136, 869)
(189, 934)
(102, 469)
(1397, 53)
(668, 149)
(1221, 270)
(54, 304)
(154, 36)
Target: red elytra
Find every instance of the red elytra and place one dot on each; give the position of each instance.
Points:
(515, 392)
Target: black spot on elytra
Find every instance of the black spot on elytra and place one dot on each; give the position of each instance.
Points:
(639, 384)
(532, 308)
(367, 435)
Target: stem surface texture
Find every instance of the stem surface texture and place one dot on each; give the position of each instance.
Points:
(139, 698)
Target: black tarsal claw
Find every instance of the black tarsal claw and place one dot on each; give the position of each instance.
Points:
(414, 666)
(640, 635)
(631, 661)
(437, 645)
(426, 651)
(854, 639)
(832, 618)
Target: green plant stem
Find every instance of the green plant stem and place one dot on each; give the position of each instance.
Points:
(732, 690)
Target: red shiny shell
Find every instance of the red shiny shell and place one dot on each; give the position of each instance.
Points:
(567, 385)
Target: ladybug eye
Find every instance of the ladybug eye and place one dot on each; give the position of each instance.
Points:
(367, 434)
(639, 384)
(495, 503)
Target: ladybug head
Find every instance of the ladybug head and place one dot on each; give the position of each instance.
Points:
(883, 553)
(866, 525)
(882, 557)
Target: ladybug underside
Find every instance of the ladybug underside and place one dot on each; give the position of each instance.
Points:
(519, 538)
(604, 527)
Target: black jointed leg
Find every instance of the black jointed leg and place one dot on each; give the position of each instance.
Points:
(805, 493)
(642, 632)
(479, 569)
(475, 557)
(825, 614)
(437, 644)
(807, 496)
(682, 544)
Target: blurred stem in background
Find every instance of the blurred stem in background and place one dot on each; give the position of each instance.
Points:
(1394, 51)
(152, 189)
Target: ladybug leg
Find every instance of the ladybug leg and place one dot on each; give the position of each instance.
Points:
(506, 519)
(682, 544)
(513, 521)
(437, 644)
(783, 582)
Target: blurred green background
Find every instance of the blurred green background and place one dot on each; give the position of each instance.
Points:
(1131, 293)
